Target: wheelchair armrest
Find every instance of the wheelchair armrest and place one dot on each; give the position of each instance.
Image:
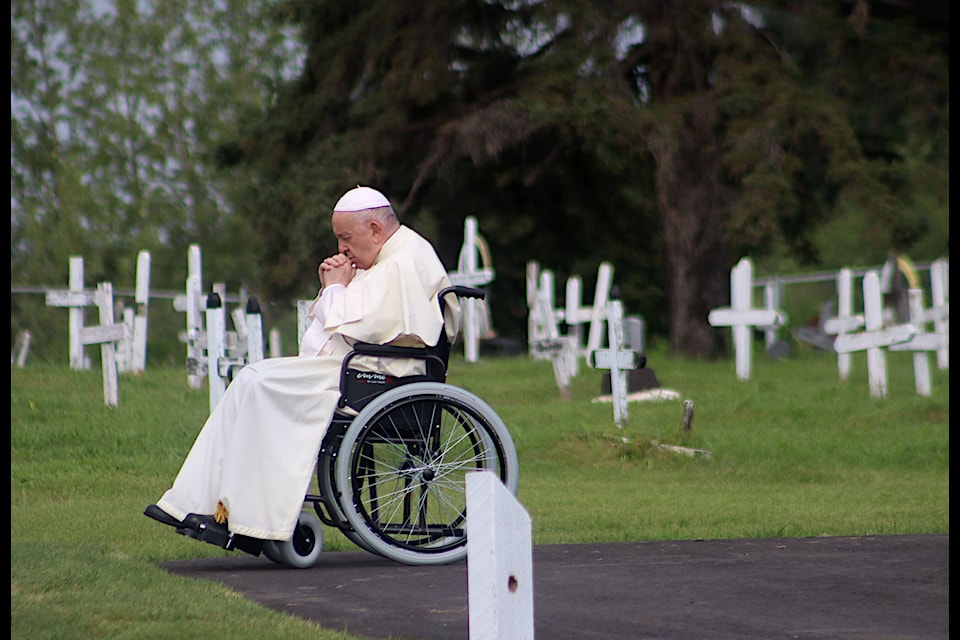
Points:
(464, 291)
(386, 350)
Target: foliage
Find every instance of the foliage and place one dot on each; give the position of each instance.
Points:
(668, 139)
(116, 112)
(698, 136)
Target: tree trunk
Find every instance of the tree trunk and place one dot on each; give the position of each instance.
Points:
(693, 207)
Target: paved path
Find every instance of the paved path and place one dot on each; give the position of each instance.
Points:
(877, 588)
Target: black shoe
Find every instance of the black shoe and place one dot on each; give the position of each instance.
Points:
(158, 514)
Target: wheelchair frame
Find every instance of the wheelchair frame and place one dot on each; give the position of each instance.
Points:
(391, 477)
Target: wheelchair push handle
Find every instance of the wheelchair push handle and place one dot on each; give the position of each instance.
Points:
(463, 291)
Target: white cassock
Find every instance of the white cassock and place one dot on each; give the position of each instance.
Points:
(258, 449)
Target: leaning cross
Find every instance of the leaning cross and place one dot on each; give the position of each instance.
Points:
(875, 337)
(618, 360)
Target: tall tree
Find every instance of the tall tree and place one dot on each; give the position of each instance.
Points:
(574, 128)
(116, 112)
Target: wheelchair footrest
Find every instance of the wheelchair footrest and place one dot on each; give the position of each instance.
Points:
(207, 529)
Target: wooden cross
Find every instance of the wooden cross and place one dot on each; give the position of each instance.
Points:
(594, 317)
(470, 274)
(875, 337)
(132, 355)
(844, 322)
(75, 298)
(742, 317)
(939, 312)
(618, 360)
(549, 344)
(107, 335)
(920, 343)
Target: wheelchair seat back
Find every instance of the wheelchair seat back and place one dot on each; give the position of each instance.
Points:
(358, 387)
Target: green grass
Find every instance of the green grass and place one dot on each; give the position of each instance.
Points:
(794, 452)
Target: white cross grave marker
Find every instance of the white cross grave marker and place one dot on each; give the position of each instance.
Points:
(106, 334)
(875, 337)
(939, 312)
(76, 299)
(920, 343)
(742, 317)
(596, 316)
(618, 360)
(469, 274)
(132, 355)
(844, 322)
(193, 303)
(549, 344)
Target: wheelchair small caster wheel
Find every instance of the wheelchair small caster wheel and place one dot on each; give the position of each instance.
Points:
(303, 549)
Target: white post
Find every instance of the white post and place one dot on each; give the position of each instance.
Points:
(77, 357)
(303, 322)
(533, 281)
(194, 305)
(571, 314)
(216, 330)
(468, 254)
(125, 347)
(254, 331)
(599, 310)
(920, 343)
(499, 562)
(139, 360)
(873, 321)
(275, 349)
(771, 300)
(741, 281)
(845, 322)
(20, 349)
(940, 309)
(108, 361)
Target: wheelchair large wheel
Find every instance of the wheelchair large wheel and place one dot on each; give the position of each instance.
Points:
(326, 479)
(402, 468)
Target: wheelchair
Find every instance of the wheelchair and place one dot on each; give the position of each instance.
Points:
(391, 471)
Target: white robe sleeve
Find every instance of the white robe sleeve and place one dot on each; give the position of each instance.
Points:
(316, 336)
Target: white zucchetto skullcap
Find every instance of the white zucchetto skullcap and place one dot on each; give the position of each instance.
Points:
(360, 199)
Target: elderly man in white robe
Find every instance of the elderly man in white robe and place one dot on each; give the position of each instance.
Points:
(251, 465)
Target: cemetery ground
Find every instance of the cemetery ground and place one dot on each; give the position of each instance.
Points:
(796, 454)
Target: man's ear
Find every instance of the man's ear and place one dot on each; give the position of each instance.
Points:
(376, 231)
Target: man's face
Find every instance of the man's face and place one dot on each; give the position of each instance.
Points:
(357, 237)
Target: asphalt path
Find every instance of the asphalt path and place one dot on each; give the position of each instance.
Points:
(870, 587)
